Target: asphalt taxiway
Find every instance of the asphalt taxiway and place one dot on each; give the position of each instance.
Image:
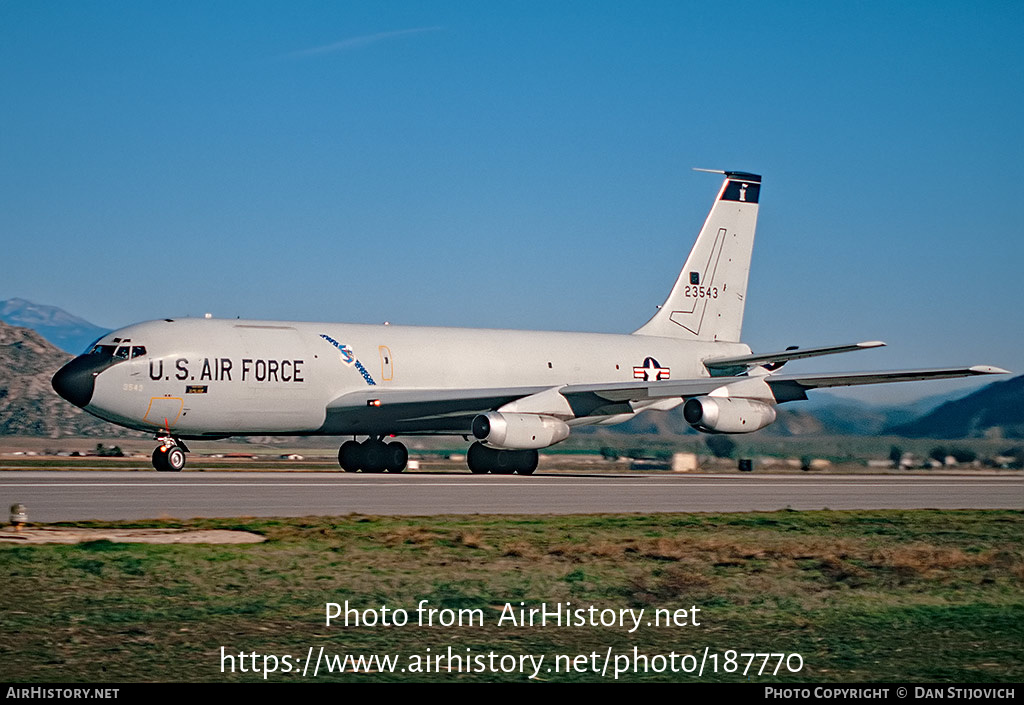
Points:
(75, 495)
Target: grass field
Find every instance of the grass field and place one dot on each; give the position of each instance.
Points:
(861, 596)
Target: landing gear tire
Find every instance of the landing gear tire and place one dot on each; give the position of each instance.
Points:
(160, 460)
(504, 462)
(476, 460)
(396, 456)
(482, 459)
(348, 456)
(528, 462)
(168, 459)
(373, 456)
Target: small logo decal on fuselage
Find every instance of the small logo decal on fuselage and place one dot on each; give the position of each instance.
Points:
(349, 358)
(651, 371)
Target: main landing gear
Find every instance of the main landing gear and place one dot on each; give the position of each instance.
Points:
(373, 455)
(169, 455)
(482, 459)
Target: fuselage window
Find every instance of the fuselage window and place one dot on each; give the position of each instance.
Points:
(103, 350)
(122, 352)
(138, 351)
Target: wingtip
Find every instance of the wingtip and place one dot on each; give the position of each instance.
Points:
(871, 344)
(988, 370)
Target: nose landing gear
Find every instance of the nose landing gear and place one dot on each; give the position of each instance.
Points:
(169, 456)
(373, 455)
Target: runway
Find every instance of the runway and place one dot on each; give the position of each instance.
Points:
(67, 496)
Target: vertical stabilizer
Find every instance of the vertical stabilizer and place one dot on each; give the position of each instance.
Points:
(707, 300)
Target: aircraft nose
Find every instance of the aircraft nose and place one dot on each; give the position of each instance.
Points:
(76, 381)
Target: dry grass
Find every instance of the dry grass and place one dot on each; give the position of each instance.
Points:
(519, 549)
(725, 551)
(470, 539)
(410, 536)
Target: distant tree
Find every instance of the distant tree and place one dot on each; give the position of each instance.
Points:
(104, 452)
(896, 455)
(805, 462)
(721, 446)
(938, 453)
(609, 453)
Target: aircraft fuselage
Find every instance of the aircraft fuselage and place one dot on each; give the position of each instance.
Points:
(222, 377)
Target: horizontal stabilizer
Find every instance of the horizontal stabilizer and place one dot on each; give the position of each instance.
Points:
(720, 366)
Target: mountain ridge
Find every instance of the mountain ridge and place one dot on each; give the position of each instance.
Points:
(28, 404)
(996, 409)
(65, 330)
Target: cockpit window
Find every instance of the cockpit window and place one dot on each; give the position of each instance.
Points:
(106, 351)
(117, 353)
(91, 347)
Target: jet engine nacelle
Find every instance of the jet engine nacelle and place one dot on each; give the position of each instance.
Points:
(519, 431)
(727, 415)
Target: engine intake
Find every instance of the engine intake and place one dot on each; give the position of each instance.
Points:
(727, 415)
(519, 431)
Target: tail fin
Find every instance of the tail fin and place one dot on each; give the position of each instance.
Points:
(706, 302)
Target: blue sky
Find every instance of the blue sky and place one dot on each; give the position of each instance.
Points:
(522, 165)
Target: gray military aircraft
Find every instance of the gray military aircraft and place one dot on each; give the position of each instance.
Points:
(513, 391)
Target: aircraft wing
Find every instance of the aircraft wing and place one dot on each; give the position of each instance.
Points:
(784, 387)
(793, 387)
(418, 411)
(407, 411)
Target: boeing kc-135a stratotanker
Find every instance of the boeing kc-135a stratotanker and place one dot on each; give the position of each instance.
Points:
(513, 391)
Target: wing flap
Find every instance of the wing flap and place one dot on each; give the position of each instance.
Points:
(640, 391)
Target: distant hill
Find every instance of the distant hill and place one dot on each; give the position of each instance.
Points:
(996, 409)
(67, 332)
(28, 404)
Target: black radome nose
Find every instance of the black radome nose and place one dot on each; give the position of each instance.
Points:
(76, 380)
